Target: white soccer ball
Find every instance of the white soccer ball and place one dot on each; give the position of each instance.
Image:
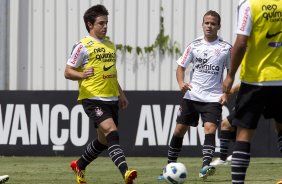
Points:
(175, 173)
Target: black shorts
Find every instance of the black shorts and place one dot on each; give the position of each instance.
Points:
(190, 111)
(253, 101)
(99, 111)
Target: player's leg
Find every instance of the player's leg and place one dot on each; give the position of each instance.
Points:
(278, 126)
(227, 134)
(241, 154)
(187, 116)
(208, 149)
(90, 154)
(176, 141)
(246, 119)
(92, 151)
(175, 144)
(94, 148)
(110, 131)
(211, 115)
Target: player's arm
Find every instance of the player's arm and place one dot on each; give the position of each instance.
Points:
(244, 28)
(235, 89)
(180, 74)
(224, 97)
(76, 59)
(123, 102)
(237, 55)
(72, 73)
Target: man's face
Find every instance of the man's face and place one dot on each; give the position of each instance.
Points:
(100, 27)
(210, 27)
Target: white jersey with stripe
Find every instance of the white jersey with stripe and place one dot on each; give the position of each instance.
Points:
(244, 20)
(79, 56)
(208, 59)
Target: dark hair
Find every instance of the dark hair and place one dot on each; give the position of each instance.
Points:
(92, 13)
(214, 14)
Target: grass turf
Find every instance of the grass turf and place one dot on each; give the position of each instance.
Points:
(55, 170)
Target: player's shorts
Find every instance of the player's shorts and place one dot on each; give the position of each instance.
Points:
(253, 101)
(189, 112)
(98, 110)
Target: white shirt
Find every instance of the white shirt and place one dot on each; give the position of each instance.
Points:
(209, 59)
(244, 22)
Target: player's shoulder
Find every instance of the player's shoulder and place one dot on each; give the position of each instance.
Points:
(224, 43)
(87, 41)
(197, 42)
(78, 46)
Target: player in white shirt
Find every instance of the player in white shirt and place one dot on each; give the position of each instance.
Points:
(209, 56)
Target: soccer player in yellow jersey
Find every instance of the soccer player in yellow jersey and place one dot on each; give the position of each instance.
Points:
(258, 48)
(93, 64)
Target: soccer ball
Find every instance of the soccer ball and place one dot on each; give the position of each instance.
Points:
(175, 173)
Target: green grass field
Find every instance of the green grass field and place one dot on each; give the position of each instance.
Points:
(51, 170)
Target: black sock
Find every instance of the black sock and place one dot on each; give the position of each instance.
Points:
(208, 149)
(91, 153)
(240, 161)
(174, 148)
(115, 152)
(225, 138)
(280, 141)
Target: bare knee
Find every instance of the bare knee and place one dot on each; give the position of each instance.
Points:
(225, 125)
(210, 128)
(180, 130)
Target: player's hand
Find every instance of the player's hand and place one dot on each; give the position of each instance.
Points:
(184, 87)
(227, 84)
(123, 102)
(223, 99)
(88, 72)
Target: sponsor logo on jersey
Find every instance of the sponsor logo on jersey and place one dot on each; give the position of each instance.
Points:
(186, 55)
(270, 13)
(268, 35)
(106, 57)
(245, 19)
(109, 76)
(275, 44)
(98, 112)
(217, 52)
(202, 66)
(76, 54)
(106, 68)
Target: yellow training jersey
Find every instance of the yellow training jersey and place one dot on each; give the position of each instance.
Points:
(102, 57)
(263, 59)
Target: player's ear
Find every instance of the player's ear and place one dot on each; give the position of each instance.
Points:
(89, 25)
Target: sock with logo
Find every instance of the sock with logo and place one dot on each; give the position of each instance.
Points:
(280, 141)
(208, 149)
(116, 152)
(174, 149)
(91, 153)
